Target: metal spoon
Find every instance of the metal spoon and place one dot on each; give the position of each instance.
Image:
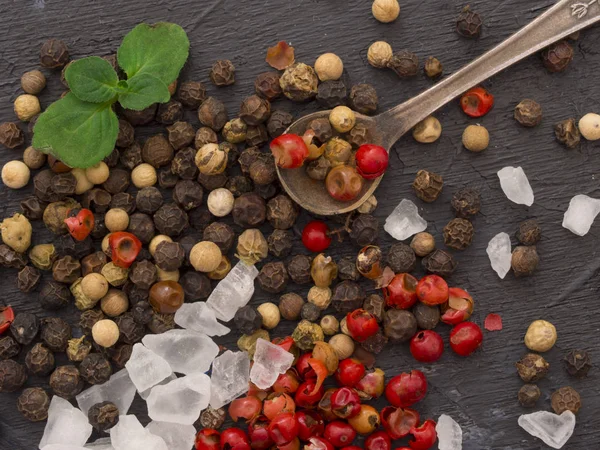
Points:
(563, 19)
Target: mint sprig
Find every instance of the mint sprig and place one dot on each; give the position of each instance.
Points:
(81, 129)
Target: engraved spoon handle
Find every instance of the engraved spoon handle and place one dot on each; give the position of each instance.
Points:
(564, 18)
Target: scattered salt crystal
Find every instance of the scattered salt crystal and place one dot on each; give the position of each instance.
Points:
(233, 291)
(581, 214)
(229, 378)
(146, 368)
(199, 317)
(66, 425)
(515, 185)
(551, 428)
(449, 433)
(129, 434)
(146, 393)
(100, 444)
(119, 389)
(186, 351)
(176, 436)
(64, 447)
(270, 361)
(181, 400)
(499, 252)
(404, 221)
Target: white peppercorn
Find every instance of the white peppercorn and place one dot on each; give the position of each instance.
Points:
(116, 219)
(105, 333)
(379, 54)
(270, 315)
(26, 106)
(329, 66)
(15, 174)
(143, 175)
(98, 173)
(220, 202)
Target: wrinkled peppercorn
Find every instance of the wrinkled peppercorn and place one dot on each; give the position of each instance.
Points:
(121, 355)
(196, 286)
(234, 131)
(113, 159)
(212, 113)
(103, 416)
(54, 295)
(89, 318)
(212, 182)
(557, 57)
(375, 305)
(142, 312)
(24, 328)
(66, 382)
(126, 136)
(222, 73)
(248, 157)
(93, 263)
(439, 262)
(262, 171)
(66, 270)
(257, 135)
(191, 94)
(169, 113)
(28, 278)
(267, 191)
(169, 256)
(212, 418)
(401, 258)
(247, 319)
(142, 227)
(55, 332)
(161, 323)
(64, 184)
(11, 136)
(204, 136)
(278, 122)
(267, 85)
(280, 243)
(567, 133)
(404, 63)
(322, 129)
(157, 151)
(299, 269)
(469, 24)
(249, 210)
(528, 113)
(427, 316)
(239, 185)
(347, 269)
(95, 369)
(148, 200)
(299, 82)
(33, 404)
(310, 312)
(65, 245)
(466, 202)
(131, 156)
(255, 110)
(532, 367)
(428, 185)
(375, 343)
(78, 349)
(42, 186)
(281, 212)
(364, 230)
(118, 181)
(98, 200)
(188, 194)
(347, 296)
(12, 375)
(170, 220)
(433, 68)
(123, 200)
(458, 234)
(529, 232)
(359, 135)
(32, 208)
(141, 117)
(399, 325)
(332, 93)
(524, 260)
(565, 399)
(9, 348)
(528, 395)
(578, 363)
(273, 277)
(363, 98)
(181, 134)
(306, 334)
(130, 331)
(12, 259)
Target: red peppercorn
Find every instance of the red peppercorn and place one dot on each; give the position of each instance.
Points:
(304, 369)
(406, 389)
(294, 445)
(465, 338)
(398, 422)
(208, 439)
(432, 290)
(476, 102)
(276, 404)
(458, 308)
(324, 406)
(349, 372)
(352, 447)
(246, 408)
(124, 248)
(345, 403)
(371, 161)
(289, 151)
(318, 443)
(427, 346)
(305, 397)
(401, 292)
(287, 383)
(424, 436)
(315, 236)
(371, 385)
(339, 433)
(379, 440)
(258, 431)
(7, 315)
(283, 428)
(80, 222)
(343, 183)
(285, 343)
(310, 423)
(361, 324)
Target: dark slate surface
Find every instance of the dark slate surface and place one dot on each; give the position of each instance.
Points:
(480, 391)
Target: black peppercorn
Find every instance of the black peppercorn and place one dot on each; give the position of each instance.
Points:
(55, 332)
(221, 234)
(364, 230)
(170, 220)
(93, 263)
(273, 277)
(66, 270)
(375, 343)
(148, 200)
(188, 194)
(439, 262)
(196, 286)
(183, 164)
(181, 134)
(428, 185)
(33, 208)
(121, 355)
(263, 171)
(404, 63)
(359, 135)
(42, 187)
(566, 132)
(458, 234)
(95, 369)
(130, 331)
(290, 306)
(347, 296)
(565, 399)
(54, 295)
(118, 181)
(142, 227)
(578, 363)
(54, 54)
(401, 258)
(113, 159)
(278, 122)
(257, 135)
(557, 57)
(11, 136)
(528, 113)
(528, 395)
(212, 182)
(248, 157)
(282, 212)
(169, 256)
(103, 416)
(65, 245)
(12, 375)
(24, 328)
(89, 318)
(466, 202)
(280, 243)
(310, 312)
(11, 259)
(187, 243)
(222, 73)
(267, 85)
(249, 210)
(529, 232)
(131, 156)
(399, 325)
(532, 367)
(299, 269)
(9, 348)
(66, 382)
(204, 136)
(98, 200)
(322, 129)
(33, 404)
(142, 312)
(247, 319)
(213, 114)
(375, 305)
(123, 200)
(191, 94)
(161, 323)
(524, 260)
(157, 151)
(427, 316)
(332, 93)
(347, 269)
(126, 135)
(433, 68)
(143, 274)
(141, 117)
(169, 113)
(64, 183)
(469, 23)
(363, 98)
(255, 110)
(212, 418)
(28, 278)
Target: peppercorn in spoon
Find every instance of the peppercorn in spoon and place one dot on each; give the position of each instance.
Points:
(563, 19)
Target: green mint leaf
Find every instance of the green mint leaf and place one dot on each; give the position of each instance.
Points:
(160, 50)
(78, 133)
(92, 79)
(142, 90)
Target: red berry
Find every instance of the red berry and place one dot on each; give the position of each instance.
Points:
(371, 385)
(401, 292)
(371, 161)
(283, 428)
(345, 403)
(259, 434)
(234, 439)
(318, 443)
(352, 447)
(305, 398)
(344, 183)
(339, 433)
(361, 324)
(476, 102)
(398, 422)
(427, 346)
(289, 151)
(293, 445)
(465, 338)
(276, 404)
(379, 440)
(406, 389)
(80, 222)
(349, 372)
(432, 290)
(315, 237)
(424, 436)
(458, 308)
(7, 315)
(310, 423)
(246, 408)
(207, 439)
(124, 248)
(324, 406)
(287, 383)
(304, 369)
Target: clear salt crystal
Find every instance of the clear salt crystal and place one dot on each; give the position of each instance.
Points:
(199, 317)
(100, 444)
(233, 291)
(581, 214)
(229, 378)
(176, 436)
(119, 389)
(145, 394)
(64, 447)
(499, 252)
(186, 351)
(270, 361)
(146, 368)
(515, 185)
(66, 425)
(404, 221)
(449, 433)
(551, 428)
(181, 400)
(129, 434)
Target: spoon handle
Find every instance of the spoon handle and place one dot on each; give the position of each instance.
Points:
(564, 18)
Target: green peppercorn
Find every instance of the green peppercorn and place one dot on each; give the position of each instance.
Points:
(433, 68)
(307, 334)
(299, 82)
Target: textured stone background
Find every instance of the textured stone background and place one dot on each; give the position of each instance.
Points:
(480, 391)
